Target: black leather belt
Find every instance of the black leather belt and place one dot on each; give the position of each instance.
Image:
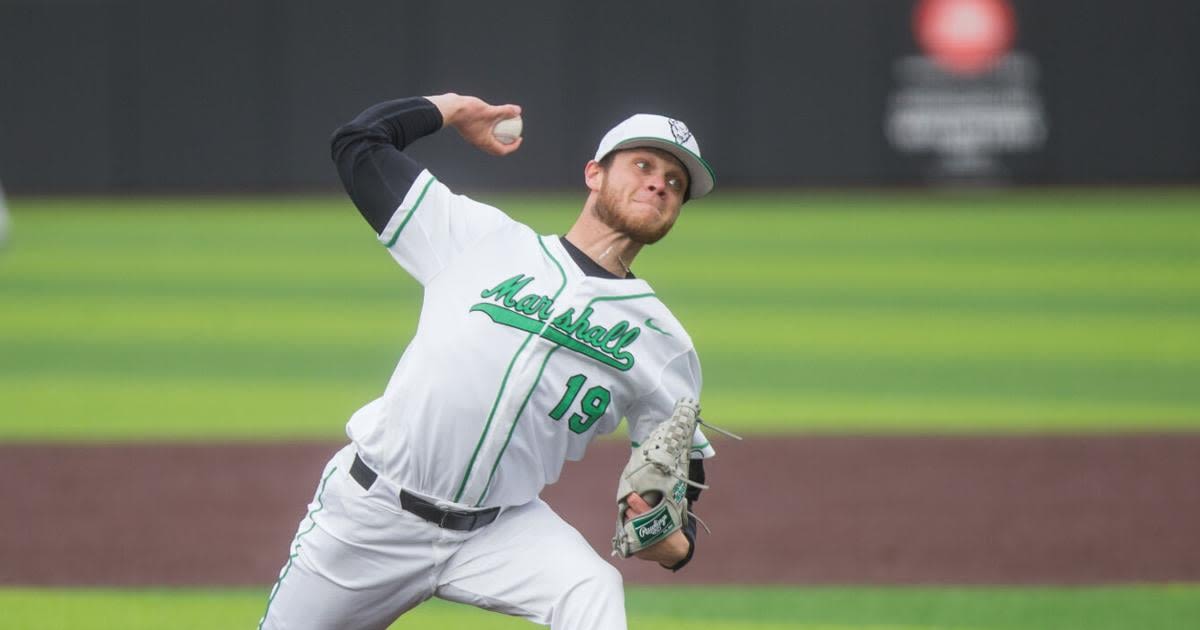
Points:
(446, 518)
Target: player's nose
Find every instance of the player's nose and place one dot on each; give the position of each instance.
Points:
(657, 184)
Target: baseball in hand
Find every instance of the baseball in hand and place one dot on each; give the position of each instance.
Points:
(508, 130)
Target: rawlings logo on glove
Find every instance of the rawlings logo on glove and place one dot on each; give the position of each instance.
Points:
(656, 527)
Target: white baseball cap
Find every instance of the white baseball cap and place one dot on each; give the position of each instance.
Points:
(668, 134)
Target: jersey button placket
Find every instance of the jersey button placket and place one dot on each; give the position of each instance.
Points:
(526, 370)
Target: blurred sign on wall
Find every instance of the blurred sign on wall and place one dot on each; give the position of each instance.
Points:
(970, 97)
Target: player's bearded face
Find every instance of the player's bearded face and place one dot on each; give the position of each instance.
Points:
(641, 194)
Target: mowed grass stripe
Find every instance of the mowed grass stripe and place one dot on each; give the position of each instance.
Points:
(793, 411)
(187, 249)
(311, 399)
(751, 333)
(385, 293)
(243, 361)
(810, 311)
(790, 275)
(120, 407)
(880, 334)
(1055, 379)
(304, 321)
(1148, 607)
(754, 328)
(1144, 383)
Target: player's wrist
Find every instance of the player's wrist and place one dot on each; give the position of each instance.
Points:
(687, 557)
(673, 551)
(448, 105)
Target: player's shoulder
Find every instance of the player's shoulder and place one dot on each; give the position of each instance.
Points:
(463, 204)
(629, 315)
(660, 329)
(661, 322)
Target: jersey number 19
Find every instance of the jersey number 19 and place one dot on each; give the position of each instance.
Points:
(594, 404)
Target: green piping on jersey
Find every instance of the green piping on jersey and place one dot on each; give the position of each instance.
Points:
(612, 298)
(487, 425)
(420, 198)
(512, 429)
(500, 394)
(296, 545)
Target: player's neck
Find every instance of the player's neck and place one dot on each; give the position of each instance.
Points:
(610, 249)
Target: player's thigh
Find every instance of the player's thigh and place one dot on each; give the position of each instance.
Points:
(356, 561)
(530, 563)
(305, 599)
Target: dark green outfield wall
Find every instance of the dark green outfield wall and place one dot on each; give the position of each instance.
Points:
(142, 95)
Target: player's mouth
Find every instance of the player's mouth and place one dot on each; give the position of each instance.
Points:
(653, 202)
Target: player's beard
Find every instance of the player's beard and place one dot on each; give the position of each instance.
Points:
(607, 210)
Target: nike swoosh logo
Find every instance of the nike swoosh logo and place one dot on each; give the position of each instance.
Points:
(652, 326)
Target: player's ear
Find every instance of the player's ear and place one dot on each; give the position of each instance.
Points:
(593, 175)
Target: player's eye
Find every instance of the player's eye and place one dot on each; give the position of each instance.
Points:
(641, 164)
(675, 183)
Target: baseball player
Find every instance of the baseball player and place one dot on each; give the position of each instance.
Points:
(528, 346)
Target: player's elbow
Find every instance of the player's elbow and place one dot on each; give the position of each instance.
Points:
(345, 140)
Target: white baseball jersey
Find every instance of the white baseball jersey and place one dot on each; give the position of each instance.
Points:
(519, 359)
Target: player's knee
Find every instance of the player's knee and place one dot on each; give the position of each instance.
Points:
(593, 599)
(602, 581)
(611, 577)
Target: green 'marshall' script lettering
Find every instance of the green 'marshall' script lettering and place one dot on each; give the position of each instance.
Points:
(530, 312)
(506, 291)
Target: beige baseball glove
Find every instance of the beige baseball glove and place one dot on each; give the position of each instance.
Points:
(658, 471)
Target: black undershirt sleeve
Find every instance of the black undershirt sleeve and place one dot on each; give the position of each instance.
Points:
(368, 152)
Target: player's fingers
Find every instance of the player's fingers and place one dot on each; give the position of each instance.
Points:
(490, 145)
(496, 113)
(509, 148)
(637, 503)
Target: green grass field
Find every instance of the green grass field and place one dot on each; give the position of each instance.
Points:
(1168, 607)
(274, 318)
(277, 317)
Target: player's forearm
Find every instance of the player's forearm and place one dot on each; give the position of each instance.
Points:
(396, 123)
(369, 158)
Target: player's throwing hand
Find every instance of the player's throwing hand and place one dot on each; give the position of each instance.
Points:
(474, 119)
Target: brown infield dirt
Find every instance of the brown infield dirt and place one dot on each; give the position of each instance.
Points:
(809, 510)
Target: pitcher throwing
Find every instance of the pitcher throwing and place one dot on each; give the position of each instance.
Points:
(527, 347)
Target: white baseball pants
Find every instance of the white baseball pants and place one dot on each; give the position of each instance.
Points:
(359, 562)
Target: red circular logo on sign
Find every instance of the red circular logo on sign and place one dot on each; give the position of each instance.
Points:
(964, 36)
